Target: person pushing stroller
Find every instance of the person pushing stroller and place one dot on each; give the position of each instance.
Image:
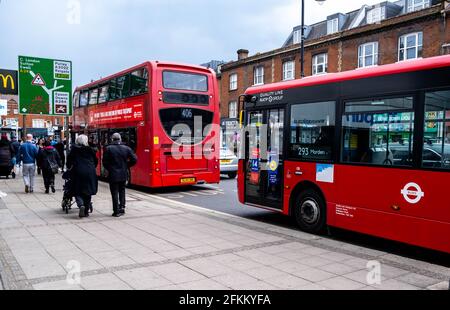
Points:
(82, 162)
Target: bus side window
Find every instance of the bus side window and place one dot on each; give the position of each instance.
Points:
(139, 83)
(378, 132)
(436, 152)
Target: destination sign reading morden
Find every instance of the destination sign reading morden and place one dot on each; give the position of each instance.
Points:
(45, 86)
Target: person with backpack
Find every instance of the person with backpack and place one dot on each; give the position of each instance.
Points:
(49, 162)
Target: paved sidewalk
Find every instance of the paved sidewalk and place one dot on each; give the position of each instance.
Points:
(166, 245)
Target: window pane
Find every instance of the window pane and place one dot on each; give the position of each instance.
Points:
(312, 131)
(402, 42)
(139, 83)
(84, 98)
(76, 98)
(390, 104)
(123, 86)
(112, 90)
(93, 96)
(411, 40)
(360, 62)
(320, 69)
(437, 130)
(185, 81)
(369, 61)
(103, 96)
(181, 124)
(378, 139)
(369, 49)
(411, 53)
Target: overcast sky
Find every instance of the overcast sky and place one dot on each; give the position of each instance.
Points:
(115, 34)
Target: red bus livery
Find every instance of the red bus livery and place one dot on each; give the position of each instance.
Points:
(168, 113)
(366, 150)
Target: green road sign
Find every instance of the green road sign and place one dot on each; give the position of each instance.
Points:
(45, 86)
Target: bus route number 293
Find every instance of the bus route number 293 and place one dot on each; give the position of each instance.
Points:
(303, 151)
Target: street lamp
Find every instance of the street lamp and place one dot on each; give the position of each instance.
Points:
(302, 48)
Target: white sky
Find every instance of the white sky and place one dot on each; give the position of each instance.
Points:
(115, 34)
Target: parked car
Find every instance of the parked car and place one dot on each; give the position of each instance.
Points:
(432, 155)
(228, 163)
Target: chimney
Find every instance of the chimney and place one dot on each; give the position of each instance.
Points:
(242, 54)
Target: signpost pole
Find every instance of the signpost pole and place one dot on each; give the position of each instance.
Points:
(24, 127)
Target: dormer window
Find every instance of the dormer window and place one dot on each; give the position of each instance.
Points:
(376, 15)
(297, 37)
(416, 5)
(333, 26)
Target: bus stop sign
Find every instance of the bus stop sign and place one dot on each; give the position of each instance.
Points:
(45, 86)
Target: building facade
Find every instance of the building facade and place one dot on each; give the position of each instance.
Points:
(381, 34)
(39, 125)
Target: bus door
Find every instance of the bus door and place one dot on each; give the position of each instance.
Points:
(264, 158)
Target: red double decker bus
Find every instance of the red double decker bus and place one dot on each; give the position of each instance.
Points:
(366, 150)
(167, 112)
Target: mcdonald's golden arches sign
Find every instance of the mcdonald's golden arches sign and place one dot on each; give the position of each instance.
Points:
(8, 82)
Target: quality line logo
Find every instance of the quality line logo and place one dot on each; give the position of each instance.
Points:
(412, 190)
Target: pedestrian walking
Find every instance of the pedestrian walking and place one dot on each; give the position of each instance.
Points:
(60, 148)
(28, 153)
(16, 146)
(82, 162)
(49, 162)
(117, 160)
(7, 156)
(40, 145)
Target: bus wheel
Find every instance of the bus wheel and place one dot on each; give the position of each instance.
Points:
(310, 211)
(232, 175)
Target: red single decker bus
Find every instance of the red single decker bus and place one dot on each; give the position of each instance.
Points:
(366, 150)
(167, 112)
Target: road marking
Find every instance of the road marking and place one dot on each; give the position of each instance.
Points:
(189, 206)
(3, 195)
(190, 194)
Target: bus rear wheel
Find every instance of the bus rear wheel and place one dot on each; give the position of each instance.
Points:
(310, 211)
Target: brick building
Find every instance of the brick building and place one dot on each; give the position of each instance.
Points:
(38, 125)
(372, 35)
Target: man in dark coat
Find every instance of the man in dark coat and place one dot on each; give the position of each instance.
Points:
(82, 162)
(117, 160)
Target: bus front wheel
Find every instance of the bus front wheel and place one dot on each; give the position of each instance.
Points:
(310, 211)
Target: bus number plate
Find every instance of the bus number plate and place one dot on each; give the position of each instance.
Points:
(188, 180)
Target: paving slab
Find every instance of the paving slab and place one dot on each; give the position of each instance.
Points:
(164, 244)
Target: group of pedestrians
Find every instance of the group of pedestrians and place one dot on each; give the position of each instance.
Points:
(82, 160)
(48, 156)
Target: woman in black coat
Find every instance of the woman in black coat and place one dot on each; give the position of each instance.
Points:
(82, 162)
(49, 162)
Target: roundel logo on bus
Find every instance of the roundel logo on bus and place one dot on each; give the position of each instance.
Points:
(412, 193)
